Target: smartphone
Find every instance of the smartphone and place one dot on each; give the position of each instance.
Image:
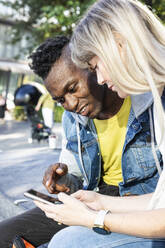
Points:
(35, 195)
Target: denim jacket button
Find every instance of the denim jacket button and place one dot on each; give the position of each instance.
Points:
(135, 127)
(127, 194)
(148, 138)
(82, 149)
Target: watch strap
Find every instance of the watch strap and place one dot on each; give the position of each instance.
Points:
(99, 221)
(99, 226)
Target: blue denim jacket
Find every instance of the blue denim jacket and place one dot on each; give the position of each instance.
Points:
(139, 170)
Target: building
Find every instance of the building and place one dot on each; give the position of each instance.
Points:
(13, 72)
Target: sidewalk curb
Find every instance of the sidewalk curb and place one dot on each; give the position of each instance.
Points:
(8, 208)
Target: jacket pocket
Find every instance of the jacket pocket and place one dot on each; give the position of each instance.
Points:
(139, 163)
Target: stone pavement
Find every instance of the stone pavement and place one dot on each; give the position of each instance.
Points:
(22, 165)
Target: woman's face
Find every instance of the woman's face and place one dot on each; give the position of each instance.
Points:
(97, 65)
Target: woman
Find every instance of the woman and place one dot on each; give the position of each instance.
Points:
(125, 44)
(47, 104)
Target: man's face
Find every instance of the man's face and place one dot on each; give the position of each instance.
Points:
(76, 89)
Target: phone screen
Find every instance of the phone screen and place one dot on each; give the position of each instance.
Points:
(35, 195)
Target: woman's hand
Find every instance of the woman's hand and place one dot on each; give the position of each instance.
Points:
(92, 199)
(71, 212)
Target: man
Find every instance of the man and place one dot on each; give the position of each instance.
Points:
(127, 166)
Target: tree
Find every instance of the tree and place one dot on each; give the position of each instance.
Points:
(148, 2)
(46, 18)
(157, 6)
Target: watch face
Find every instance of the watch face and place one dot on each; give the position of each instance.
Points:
(100, 230)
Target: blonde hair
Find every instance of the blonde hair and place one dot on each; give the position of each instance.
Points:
(143, 38)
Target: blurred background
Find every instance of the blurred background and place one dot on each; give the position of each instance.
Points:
(24, 24)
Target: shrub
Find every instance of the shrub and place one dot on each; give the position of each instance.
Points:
(19, 113)
(58, 111)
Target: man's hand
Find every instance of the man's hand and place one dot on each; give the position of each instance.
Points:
(52, 179)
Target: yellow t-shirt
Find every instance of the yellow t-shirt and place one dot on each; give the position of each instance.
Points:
(111, 135)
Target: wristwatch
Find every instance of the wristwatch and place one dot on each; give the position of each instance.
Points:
(99, 226)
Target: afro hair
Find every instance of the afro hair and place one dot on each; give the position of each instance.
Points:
(43, 58)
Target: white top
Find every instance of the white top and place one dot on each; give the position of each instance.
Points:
(158, 198)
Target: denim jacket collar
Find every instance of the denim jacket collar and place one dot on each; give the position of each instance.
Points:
(80, 119)
(141, 102)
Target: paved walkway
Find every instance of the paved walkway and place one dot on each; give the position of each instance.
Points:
(22, 165)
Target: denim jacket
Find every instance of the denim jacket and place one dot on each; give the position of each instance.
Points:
(139, 170)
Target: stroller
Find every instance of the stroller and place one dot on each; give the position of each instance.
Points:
(39, 131)
(27, 95)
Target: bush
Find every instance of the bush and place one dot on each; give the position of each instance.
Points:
(19, 113)
(58, 111)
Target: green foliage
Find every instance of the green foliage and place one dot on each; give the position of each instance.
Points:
(45, 18)
(18, 113)
(158, 6)
(58, 111)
